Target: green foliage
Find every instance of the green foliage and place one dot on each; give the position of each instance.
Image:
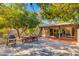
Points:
(63, 12)
(16, 16)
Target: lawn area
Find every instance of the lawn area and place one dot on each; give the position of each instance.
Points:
(42, 47)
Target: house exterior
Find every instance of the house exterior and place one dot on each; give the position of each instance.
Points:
(65, 31)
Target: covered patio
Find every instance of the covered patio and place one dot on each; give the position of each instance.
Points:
(67, 32)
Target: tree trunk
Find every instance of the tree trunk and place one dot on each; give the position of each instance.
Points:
(18, 33)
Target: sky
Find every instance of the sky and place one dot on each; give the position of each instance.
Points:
(35, 6)
(36, 9)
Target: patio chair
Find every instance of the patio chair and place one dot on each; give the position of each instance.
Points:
(34, 37)
(26, 39)
(29, 39)
(11, 39)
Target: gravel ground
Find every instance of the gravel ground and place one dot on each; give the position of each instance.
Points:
(42, 47)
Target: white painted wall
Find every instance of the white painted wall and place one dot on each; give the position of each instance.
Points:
(43, 32)
(78, 35)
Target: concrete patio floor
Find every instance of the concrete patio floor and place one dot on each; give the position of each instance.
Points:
(42, 47)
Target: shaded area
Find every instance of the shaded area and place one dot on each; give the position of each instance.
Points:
(42, 47)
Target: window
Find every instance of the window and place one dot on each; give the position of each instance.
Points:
(66, 32)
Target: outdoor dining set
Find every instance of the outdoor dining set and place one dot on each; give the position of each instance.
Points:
(13, 40)
(25, 39)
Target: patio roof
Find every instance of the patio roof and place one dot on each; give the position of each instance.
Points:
(52, 25)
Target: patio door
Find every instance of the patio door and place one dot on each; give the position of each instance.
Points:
(54, 32)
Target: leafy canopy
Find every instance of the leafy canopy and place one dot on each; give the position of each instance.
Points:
(60, 12)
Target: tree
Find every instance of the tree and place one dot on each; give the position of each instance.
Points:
(61, 12)
(17, 16)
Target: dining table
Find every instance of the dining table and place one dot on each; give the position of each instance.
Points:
(29, 38)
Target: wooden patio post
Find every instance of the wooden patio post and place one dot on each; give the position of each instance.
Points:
(40, 32)
(59, 32)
